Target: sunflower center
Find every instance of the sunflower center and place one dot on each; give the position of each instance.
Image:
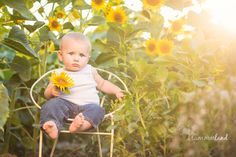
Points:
(152, 47)
(118, 18)
(55, 24)
(59, 15)
(153, 2)
(61, 81)
(98, 2)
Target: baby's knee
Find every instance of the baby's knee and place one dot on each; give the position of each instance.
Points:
(52, 104)
(96, 109)
(94, 114)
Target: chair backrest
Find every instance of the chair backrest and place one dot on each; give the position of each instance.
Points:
(109, 74)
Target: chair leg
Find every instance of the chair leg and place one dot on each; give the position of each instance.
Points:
(112, 137)
(54, 147)
(99, 144)
(40, 143)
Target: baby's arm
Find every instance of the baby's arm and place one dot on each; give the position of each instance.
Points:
(106, 86)
(51, 91)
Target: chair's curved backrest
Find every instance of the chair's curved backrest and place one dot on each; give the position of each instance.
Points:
(109, 76)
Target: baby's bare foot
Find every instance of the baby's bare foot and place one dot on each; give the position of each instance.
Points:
(77, 123)
(51, 129)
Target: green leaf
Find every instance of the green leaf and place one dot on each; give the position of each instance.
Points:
(36, 25)
(3, 31)
(2, 134)
(132, 127)
(7, 53)
(4, 105)
(53, 37)
(20, 64)
(14, 81)
(20, 7)
(146, 14)
(131, 33)
(162, 74)
(109, 128)
(44, 34)
(115, 34)
(99, 45)
(83, 5)
(142, 69)
(27, 142)
(96, 20)
(68, 25)
(104, 57)
(17, 40)
(156, 25)
(25, 75)
(6, 74)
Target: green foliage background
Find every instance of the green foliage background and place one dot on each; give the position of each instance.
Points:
(174, 98)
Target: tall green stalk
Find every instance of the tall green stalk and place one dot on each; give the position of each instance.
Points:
(42, 69)
(8, 124)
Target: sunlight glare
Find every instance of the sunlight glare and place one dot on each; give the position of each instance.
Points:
(223, 12)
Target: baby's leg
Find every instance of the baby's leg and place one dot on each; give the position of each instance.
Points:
(51, 129)
(91, 116)
(79, 124)
(53, 113)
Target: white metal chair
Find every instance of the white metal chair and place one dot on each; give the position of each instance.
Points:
(108, 115)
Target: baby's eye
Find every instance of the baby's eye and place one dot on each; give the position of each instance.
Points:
(71, 53)
(81, 55)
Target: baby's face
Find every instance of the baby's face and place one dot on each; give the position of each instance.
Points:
(74, 54)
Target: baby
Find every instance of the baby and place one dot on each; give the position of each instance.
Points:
(82, 103)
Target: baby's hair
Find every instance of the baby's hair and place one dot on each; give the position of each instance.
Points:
(77, 36)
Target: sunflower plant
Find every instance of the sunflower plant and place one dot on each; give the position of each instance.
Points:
(62, 81)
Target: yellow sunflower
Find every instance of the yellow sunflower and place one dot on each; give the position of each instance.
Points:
(19, 21)
(80, 3)
(177, 26)
(60, 14)
(107, 9)
(153, 4)
(118, 15)
(62, 81)
(151, 47)
(75, 14)
(98, 4)
(165, 46)
(51, 47)
(117, 1)
(54, 25)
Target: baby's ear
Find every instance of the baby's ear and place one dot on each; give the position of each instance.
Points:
(59, 55)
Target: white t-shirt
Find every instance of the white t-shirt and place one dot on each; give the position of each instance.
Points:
(84, 90)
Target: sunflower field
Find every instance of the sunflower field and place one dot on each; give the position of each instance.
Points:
(178, 65)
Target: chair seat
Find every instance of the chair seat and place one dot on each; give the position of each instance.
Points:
(87, 133)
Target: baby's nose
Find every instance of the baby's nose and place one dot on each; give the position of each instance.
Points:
(76, 57)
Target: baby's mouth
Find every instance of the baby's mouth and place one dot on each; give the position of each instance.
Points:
(75, 65)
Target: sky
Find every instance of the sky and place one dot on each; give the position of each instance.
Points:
(223, 11)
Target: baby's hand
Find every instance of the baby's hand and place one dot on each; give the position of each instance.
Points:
(55, 91)
(119, 95)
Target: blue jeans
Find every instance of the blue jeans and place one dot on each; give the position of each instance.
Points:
(59, 110)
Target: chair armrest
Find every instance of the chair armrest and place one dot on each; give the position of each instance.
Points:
(110, 114)
(35, 83)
